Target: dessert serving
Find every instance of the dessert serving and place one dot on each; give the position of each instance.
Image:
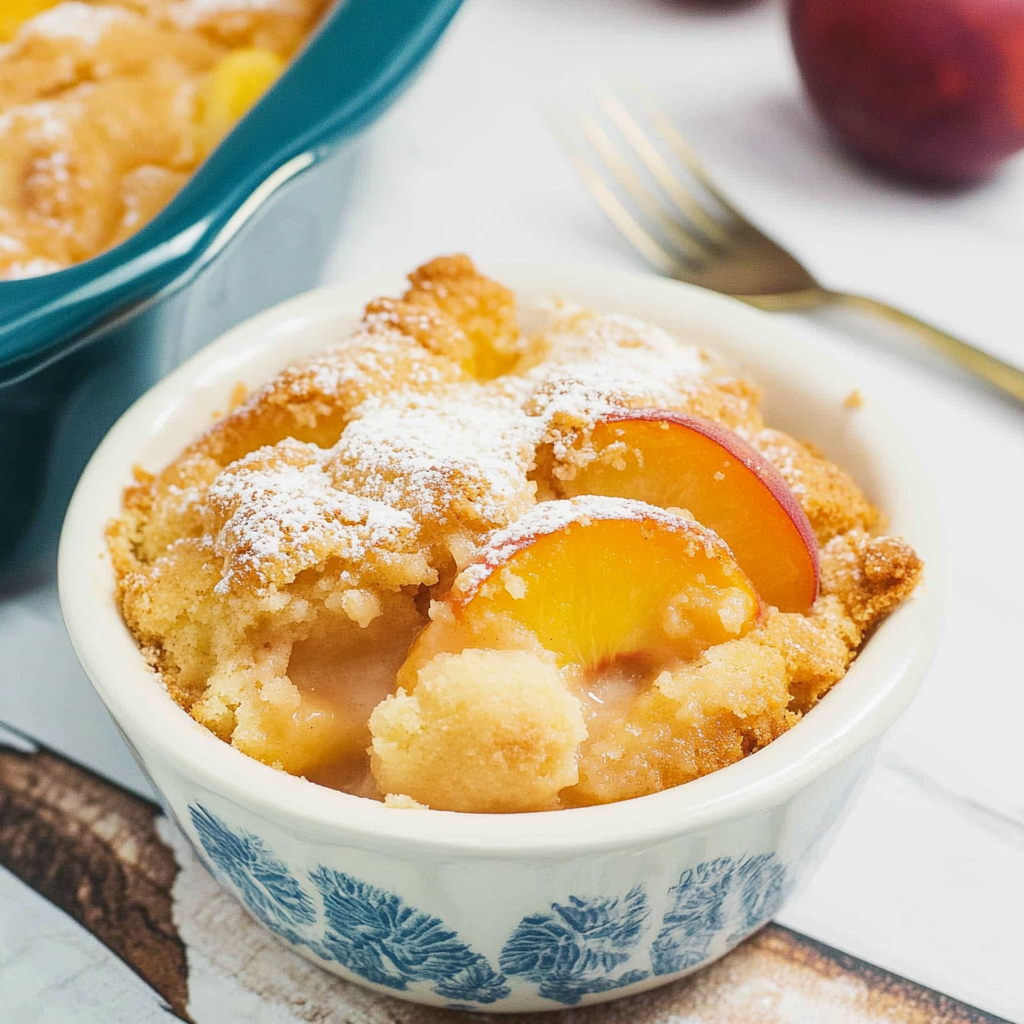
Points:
(107, 107)
(453, 564)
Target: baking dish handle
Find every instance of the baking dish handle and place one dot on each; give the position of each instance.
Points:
(354, 66)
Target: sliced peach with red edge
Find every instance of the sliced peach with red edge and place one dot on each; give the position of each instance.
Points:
(677, 461)
(594, 580)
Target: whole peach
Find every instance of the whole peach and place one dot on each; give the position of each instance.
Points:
(930, 89)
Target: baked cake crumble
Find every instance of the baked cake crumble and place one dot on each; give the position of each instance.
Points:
(448, 564)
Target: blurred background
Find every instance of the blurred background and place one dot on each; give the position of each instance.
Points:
(489, 174)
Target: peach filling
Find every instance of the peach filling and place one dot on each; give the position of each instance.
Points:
(575, 612)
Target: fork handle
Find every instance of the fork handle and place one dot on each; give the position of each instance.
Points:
(1003, 375)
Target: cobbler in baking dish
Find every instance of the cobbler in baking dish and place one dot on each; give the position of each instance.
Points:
(450, 564)
(107, 106)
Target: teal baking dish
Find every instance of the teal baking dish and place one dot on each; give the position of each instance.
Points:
(252, 227)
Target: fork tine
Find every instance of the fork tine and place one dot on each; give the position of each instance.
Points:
(648, 203)
(688, 158)
(615, 210)
(659, 168)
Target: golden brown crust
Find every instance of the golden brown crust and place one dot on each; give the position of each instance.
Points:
(483, 309)
(870, 575)
(817, 649)
(830, 498)
(435, 330)
(314, 400)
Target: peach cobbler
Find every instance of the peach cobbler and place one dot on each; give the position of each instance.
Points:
(450, 564)
(107, 106)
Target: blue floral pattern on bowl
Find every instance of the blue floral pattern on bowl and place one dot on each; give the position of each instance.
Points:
(715, 898)
(583, 946)
(369, 931)
(376, 935)
(576, 948)
(265, 884)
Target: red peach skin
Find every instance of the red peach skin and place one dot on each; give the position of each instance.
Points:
(673, 460)
(930, 89)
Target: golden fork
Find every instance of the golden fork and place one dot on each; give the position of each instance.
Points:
(694, 233)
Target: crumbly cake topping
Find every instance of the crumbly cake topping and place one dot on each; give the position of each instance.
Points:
(870, 575)
(283, 513)
(832, 501)
(594, 364)
(298, 574)
(452, 454)
(577, 336)
(460, 454)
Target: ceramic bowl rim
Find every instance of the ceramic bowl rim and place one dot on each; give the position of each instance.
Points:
(877, 687)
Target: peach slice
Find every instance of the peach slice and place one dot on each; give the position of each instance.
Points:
(678, 461)
(232, 87)
(14, 14)
(596, 581)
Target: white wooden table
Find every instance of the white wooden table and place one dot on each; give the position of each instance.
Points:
(927, 875)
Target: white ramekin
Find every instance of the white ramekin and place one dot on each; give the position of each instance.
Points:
(521, 911)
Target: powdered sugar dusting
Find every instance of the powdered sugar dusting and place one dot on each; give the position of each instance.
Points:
(576, 334)
(45, 123)
(429, 459)
(354, 367)
(400, 497)
(462, 452)
(73, 20)
(779, 451)
(596, 364)
(286, 516)
(194, 13)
